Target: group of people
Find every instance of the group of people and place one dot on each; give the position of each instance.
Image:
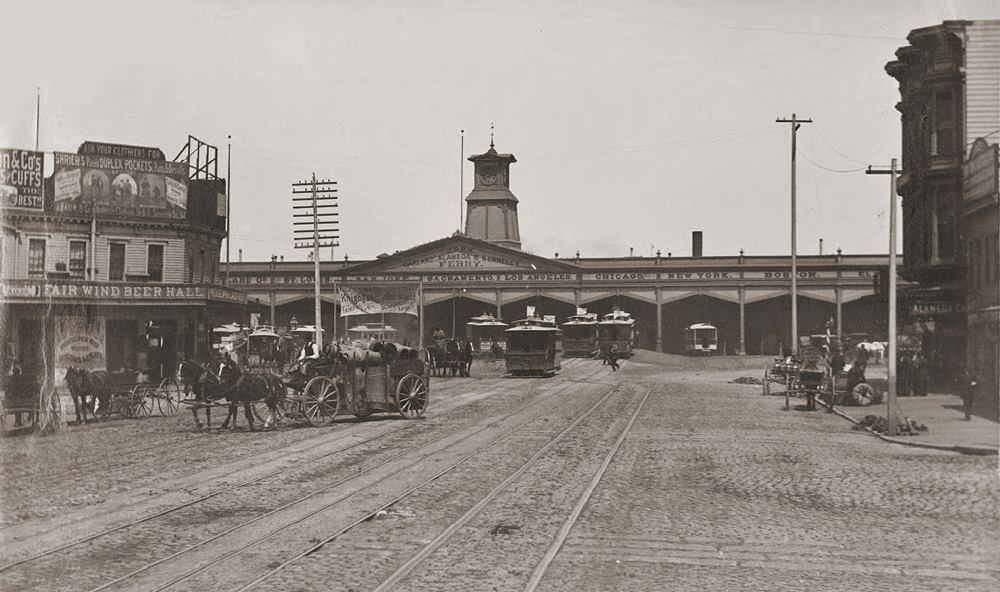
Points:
(912, 375)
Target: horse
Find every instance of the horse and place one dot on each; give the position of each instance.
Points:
(229, 384)
(86, 385)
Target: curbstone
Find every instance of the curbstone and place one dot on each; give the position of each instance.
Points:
(970, 450)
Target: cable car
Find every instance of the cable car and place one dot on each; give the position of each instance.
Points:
(701, 338)
(534, 346)
(580, 335)
(617, 328)
(369, 331)
(486, 332)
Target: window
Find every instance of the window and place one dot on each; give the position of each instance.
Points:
(946, 227)
(77, 258)
(116, 262)
(36, 257)
(201, 266)
(154, 263)
(191, 269)
(944, 133)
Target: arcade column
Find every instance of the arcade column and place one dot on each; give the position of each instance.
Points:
(659, 322)
(742, 348)
(499, 302)
(840, 295)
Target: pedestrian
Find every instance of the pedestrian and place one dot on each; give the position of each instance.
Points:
(837, 362)
(904, 375)
(920, 375)
(613, 357)
(968, 384)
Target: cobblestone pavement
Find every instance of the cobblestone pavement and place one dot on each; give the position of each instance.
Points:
(714, 487)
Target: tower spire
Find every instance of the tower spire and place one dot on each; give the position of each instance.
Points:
(491, 134)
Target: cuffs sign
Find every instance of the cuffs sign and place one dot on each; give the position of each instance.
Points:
(21, 178)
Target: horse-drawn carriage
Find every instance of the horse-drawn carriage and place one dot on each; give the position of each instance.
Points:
(534, 347)
(128, 393)
(452, 355)
(344, 379)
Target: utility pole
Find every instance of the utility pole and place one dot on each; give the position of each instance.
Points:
(461, 184)
(229, 194)
(891, 371)
(795, 124)
(325, 227)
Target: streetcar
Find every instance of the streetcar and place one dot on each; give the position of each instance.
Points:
(264, 350)
(580, 335)
(486, 333)
(617, 328)
(701, 338)
(534, 346)
(372, 332)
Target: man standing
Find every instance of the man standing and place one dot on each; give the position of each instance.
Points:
(307, 356)
(920, 375)
(613, 357)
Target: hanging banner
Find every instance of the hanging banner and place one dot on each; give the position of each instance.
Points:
(21, 179)
(377, 300)
(80, 344)
(128, 187)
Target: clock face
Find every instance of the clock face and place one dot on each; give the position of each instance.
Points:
(489, 176)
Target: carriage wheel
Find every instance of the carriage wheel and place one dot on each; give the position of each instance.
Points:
(864, 395)
(322, 401)
(168, 397)
(766, 386)
(412, 396)
(141, 401)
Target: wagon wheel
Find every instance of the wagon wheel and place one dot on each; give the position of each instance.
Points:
(141, 401)
(766, 385)
(168, 396)
(412, 396)
(864, 395)
(322, 401)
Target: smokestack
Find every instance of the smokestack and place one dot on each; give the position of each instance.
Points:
(696, 243)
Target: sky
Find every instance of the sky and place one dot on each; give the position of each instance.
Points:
(633, 123)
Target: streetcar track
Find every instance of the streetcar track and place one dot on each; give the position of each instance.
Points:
(209, 495)
(451, 529)
(175, 441)
(499, 386)
(404, 570)
(557, 390)
(557, 544)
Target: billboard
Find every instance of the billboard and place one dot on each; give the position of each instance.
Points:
(123, 186)
(378, 299)
(21, 179)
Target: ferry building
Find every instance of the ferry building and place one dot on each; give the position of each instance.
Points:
(483, 269)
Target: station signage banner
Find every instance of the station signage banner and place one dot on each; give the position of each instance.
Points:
(119, 185)
(21, 179)
(459, 257)
(378, 300)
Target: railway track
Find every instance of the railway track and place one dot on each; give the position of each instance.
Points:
(32, 561)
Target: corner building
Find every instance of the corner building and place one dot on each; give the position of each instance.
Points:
(949, 87)
(114, 267)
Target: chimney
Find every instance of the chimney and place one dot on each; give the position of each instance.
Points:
(241, 255)
(696, 243)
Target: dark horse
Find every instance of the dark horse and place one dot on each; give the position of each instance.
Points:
(229, 384)
(450, 353)
(88, 393)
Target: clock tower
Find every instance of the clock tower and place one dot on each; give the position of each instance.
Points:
(491, 207)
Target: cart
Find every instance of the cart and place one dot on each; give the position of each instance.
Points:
(130, 394)
(383, 379)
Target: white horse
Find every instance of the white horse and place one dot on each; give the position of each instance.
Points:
(874, 349)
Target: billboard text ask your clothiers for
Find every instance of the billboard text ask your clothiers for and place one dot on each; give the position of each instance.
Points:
(127, 181)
